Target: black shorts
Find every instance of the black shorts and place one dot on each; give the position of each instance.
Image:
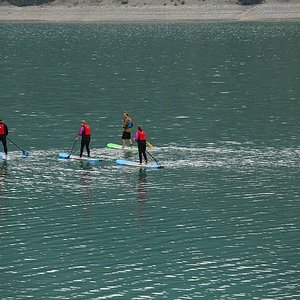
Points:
(126, 135)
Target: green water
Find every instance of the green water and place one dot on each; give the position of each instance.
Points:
(220, 102)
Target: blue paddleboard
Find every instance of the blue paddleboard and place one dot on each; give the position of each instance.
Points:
(87, 159)
(129, 163)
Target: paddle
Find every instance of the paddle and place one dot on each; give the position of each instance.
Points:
(24, 152)
(157, 161)
(72, 148)
(149, 145)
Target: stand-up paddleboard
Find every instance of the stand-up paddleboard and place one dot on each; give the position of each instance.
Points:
(129, 163)
(8, 157)
(87, 159)
(120, 147)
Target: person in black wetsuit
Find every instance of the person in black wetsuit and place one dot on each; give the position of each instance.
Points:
(85, 133)
(3, 135)
(140, 138)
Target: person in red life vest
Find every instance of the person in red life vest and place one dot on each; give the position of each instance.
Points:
(3, 135)
(127, 125)
(140, 138)
(85, 133)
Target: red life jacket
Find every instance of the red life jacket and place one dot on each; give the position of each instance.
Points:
(2, 128)
(142, 136)
(87, 129)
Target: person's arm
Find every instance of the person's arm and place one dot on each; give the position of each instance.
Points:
(80, 132)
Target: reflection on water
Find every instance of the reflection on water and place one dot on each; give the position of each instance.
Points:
(141, 193)
(3, 174)
(141, 185)
(86, 185)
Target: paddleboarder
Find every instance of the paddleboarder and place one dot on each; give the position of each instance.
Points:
(3, 135)
(140, 138)
(85, 133)
(127, 124)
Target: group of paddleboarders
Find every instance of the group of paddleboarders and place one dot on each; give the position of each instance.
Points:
(127, 124)
(85, 134)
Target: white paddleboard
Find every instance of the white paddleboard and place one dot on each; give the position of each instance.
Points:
(129, 163)
(68, 156)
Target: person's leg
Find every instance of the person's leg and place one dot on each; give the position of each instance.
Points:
(81, 147)
(144, 152)
(87, 146)
(4, 145)
(145, 157)
(3, 140)
(140, 153)
(129, 138)
(123, 139)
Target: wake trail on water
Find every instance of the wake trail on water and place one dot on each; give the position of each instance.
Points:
(227, 157)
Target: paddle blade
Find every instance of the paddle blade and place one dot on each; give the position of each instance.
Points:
(25, 153)
(149, 145)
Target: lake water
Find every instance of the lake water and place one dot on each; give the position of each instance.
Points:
(220, 103)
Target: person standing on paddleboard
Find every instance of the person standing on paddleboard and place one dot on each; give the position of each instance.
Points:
(85, 133)
(127, 124)
(140, 138)
(3, 135)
